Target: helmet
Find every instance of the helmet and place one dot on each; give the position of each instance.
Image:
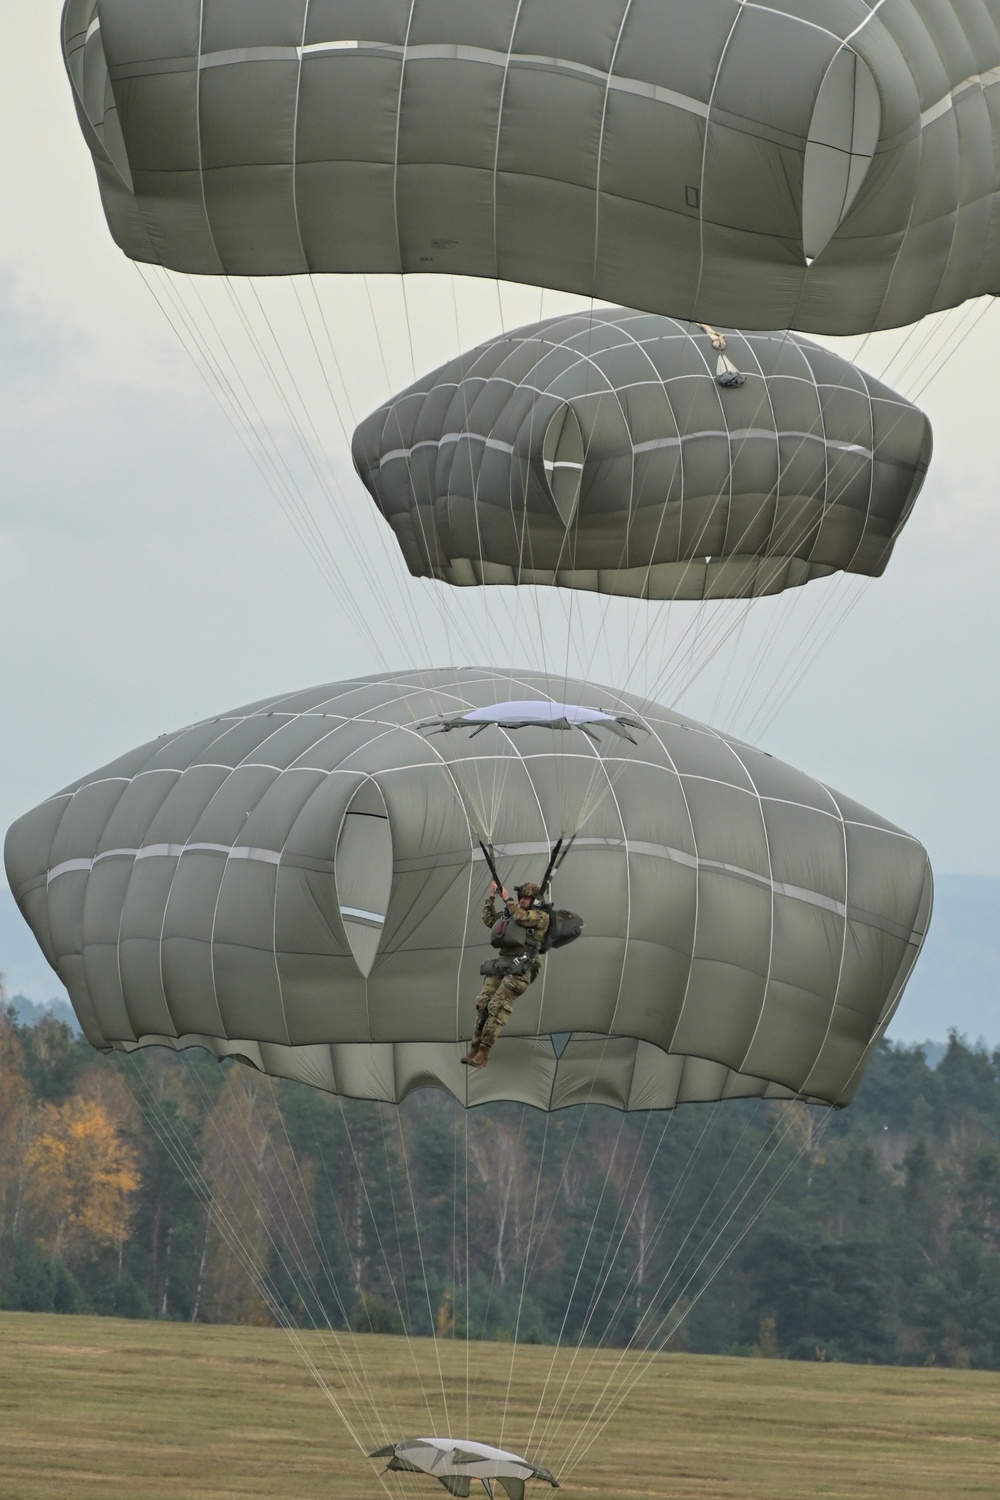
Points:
(529, 889)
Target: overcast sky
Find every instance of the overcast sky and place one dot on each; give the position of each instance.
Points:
(150, 576)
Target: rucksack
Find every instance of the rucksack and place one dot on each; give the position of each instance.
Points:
(564, 927)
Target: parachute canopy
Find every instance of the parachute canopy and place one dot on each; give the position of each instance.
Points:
(824, 167)
(456, 1464)
(599, 451)
(297, 883)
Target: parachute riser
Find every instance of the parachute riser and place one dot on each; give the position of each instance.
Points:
(555, 861)
(488, 856)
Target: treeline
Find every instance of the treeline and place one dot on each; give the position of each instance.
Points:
(167, 1186)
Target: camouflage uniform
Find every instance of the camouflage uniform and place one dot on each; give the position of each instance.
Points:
(496, 999)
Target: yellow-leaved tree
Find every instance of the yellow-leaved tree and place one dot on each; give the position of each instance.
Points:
(82, 1179)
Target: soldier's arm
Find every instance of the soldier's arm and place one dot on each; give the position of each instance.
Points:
(489, 912)
(537, 920)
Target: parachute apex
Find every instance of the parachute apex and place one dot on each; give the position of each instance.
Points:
(534, 713)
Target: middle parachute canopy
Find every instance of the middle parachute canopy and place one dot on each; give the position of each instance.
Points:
(599, 451)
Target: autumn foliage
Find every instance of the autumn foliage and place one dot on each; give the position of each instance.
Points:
(82, 1179)
(70, 1169)
(165, 1185)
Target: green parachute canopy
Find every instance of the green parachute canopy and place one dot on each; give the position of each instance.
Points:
(298, 883)
(825, 167)
(602, 451)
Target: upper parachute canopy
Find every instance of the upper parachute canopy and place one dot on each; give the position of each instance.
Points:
(824, 167)
(296, 883)
(600, 451)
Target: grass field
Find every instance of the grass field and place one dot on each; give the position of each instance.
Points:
(98, 1409)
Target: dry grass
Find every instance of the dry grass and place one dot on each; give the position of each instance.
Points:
(97, 1409)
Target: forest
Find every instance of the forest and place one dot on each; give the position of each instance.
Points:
(163, 1185)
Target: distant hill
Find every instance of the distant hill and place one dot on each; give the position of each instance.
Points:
(956, 983)
(30, 1012)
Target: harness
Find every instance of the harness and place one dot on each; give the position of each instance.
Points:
(520, 948)
(503, 965)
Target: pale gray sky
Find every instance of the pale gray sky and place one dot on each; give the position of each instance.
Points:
(150, 577)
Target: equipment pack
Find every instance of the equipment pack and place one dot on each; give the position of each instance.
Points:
(564, 927)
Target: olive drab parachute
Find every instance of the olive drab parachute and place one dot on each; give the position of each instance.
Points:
(823, 167)
(605, 451)
(299, 884)
(296, 884)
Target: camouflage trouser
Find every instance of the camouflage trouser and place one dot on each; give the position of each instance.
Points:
(495, 1002)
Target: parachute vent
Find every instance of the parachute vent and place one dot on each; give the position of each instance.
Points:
(563, 456)
(842, 140)
(364, 873)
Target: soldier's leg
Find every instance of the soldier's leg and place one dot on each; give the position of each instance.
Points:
(490, 986)
(489, 989)
(500, 1006)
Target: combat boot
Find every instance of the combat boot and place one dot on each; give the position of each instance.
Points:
(475, 1047)
(478, 1057)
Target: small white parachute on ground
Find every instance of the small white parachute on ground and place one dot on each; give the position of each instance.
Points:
(456, 1464)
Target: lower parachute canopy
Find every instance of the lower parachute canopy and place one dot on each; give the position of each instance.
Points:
(605, 451)
(298, 883)
(456, 1464)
